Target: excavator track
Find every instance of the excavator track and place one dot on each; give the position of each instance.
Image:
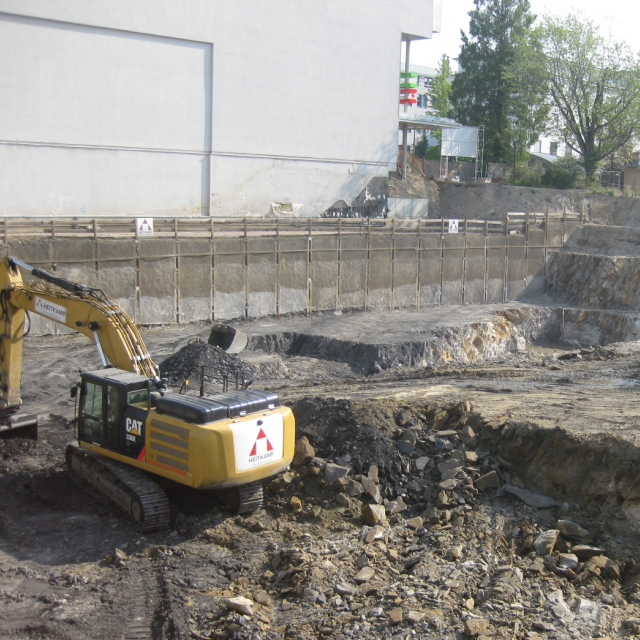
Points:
(131, 489)
(251, 497)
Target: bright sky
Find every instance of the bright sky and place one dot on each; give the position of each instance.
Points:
(617, 16)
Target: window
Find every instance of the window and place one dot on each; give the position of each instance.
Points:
(422, 101)
(137, 397)
(113, 419)
(92, 414)
(553, 148)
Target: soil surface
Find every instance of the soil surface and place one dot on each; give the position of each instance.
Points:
(480, 201)
(440, 450)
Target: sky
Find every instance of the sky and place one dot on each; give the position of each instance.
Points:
(618, 16)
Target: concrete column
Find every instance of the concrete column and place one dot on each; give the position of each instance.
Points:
(407, 69)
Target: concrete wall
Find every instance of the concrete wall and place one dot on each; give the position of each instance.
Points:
(202, 107)
(408, 208)
(166, 280)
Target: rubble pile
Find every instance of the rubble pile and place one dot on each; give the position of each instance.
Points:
(188, 362)
(13, 448)
(437, 539)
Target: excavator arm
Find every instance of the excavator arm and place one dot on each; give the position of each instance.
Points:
(79, 307)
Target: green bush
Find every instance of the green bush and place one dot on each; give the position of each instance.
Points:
(526, 177)
(433, 153)
(564, 173)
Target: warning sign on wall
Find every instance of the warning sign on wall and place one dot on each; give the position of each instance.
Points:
(144, 226)
(453, 226)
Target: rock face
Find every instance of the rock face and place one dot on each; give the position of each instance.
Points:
(597, 270)
(495, 335)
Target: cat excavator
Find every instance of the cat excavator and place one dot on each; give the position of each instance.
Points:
(130, 427)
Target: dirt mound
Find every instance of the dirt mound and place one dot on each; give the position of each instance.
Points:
(188, 362)
(14, 448)
(358, 435)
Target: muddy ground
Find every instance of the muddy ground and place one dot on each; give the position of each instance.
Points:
(456, 560)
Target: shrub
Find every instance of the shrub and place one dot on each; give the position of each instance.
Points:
(562, 174)
(527, 177)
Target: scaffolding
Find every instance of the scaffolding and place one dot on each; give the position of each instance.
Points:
(480, 153)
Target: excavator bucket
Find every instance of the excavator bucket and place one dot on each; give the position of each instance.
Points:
(227, 338)
(20, 425)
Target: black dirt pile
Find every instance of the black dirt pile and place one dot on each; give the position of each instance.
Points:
(339, 432)
(13, 448)
(187, 363)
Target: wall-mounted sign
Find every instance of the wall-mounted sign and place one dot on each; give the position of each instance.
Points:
(144, 226)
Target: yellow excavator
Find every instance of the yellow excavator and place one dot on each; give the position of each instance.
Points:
(130, 427)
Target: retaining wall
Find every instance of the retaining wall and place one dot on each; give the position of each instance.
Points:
(595, 279)
(190, 279)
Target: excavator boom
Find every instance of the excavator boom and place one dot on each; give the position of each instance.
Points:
(80, 307)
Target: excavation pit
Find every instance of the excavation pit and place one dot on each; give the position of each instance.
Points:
(456, 553)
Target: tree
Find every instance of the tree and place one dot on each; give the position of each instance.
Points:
(422, 146)
(440, 95)
(491, 88)
(595, 89)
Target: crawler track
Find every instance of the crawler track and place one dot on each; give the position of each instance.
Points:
(131, 489)
(251, 498)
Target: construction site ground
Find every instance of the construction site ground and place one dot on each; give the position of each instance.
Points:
(446, 561)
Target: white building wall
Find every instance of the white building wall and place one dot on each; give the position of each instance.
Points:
(220, 106)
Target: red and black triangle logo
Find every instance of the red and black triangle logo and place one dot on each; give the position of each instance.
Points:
(261, 444)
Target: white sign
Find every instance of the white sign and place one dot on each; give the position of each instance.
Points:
(144, 226)
(51, 310)
(453, 226)
(257, 442)
(462, 142)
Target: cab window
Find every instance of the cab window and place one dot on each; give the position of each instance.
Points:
(138, 397)
(93, 414)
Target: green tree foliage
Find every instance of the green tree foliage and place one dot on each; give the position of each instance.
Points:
(440, 94)
(562, 174)
(493, 88)
(424, 150)
(595, 89)
(422, 146)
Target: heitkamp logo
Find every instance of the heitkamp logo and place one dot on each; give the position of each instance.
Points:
(262, 446)
(51, 310)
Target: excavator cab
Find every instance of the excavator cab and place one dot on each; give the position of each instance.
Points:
(112, 410)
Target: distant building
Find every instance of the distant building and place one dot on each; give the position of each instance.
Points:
(419, 117)
(205, 107)
(424, 80)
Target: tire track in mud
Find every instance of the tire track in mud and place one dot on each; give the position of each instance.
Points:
(150, 605)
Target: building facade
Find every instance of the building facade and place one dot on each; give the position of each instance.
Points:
(206, 107)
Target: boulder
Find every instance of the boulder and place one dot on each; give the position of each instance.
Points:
(304, 452)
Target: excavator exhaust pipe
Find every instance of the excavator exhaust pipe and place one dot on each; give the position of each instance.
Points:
(227, 338)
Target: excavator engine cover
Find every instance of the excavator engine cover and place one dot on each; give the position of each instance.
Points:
(222, 406)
